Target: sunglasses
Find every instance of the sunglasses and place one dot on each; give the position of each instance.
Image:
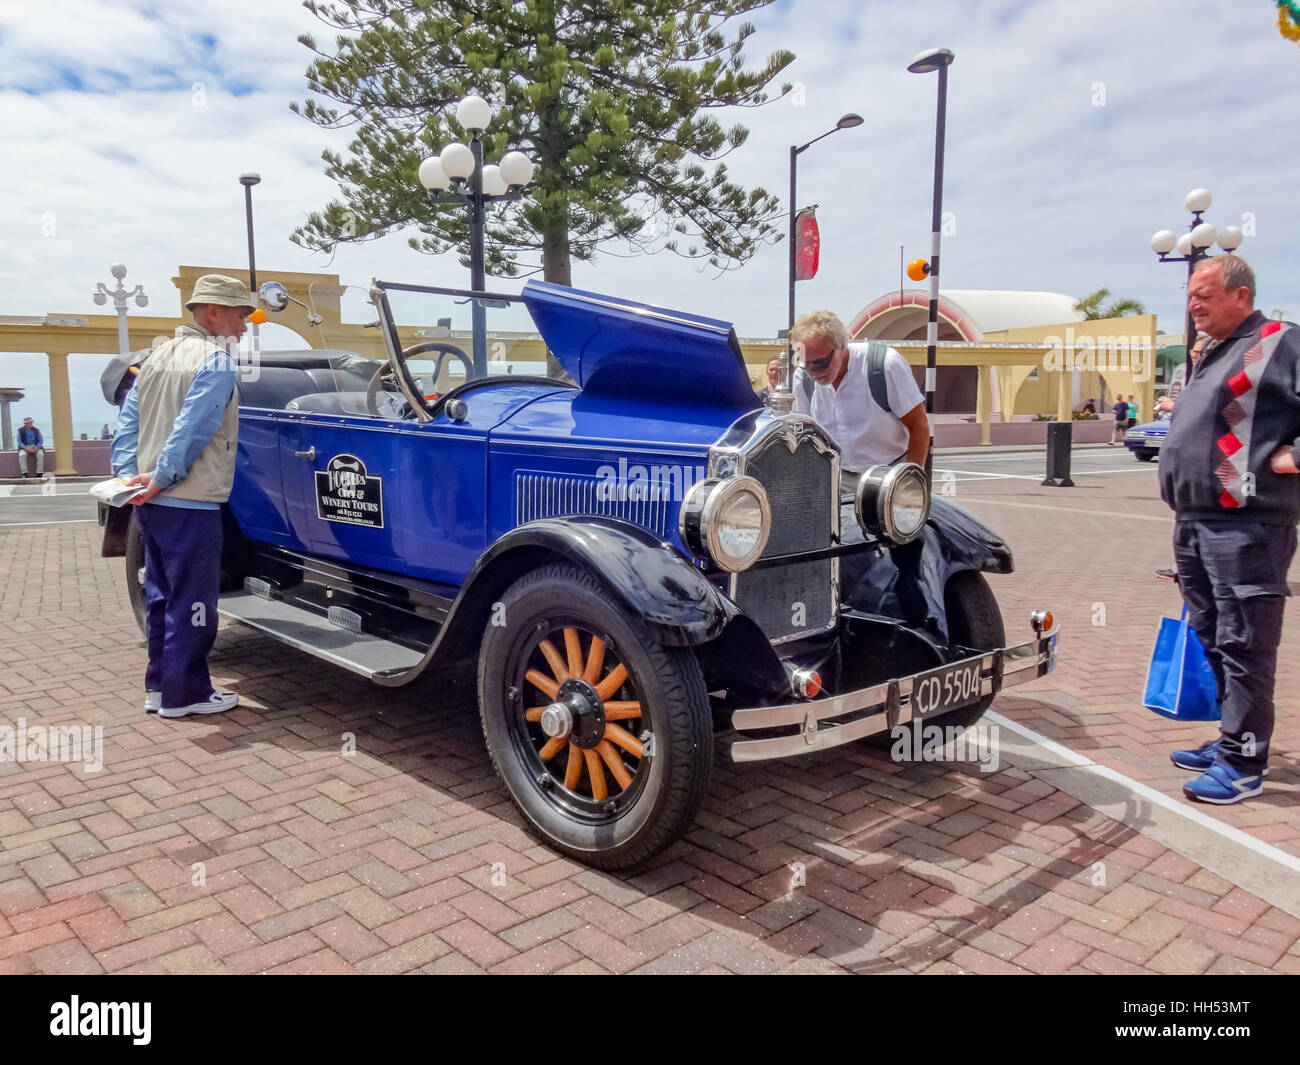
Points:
(819, 365)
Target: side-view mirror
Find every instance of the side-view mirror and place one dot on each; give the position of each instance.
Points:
(274, 296)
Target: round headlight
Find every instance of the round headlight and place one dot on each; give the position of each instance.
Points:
(909, 506)
(893, 502)
(727, 521)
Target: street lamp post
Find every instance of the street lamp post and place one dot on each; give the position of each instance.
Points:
(783, 398)
(456, 175)
(936, 59)
(119, 296)
(248, 181)
(1193, 246)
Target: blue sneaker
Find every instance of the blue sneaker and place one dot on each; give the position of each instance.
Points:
(1221, 784)
(1199, 760)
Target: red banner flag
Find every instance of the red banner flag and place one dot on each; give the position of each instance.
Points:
(808, 244)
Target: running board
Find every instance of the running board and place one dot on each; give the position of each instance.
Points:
(332, 640)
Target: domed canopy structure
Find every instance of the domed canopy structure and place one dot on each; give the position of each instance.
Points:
(964, 314)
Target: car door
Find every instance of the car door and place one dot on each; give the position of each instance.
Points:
(343, 479)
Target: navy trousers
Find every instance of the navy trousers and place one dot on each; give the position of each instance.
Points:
(182, 575)
(1232, 574)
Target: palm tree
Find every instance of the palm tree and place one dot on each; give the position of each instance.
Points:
(1092, 309)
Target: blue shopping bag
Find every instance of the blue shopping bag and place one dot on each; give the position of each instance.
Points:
(1180, 682)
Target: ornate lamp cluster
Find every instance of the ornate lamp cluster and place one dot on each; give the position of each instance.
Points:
(1193, 246)
(456, 175)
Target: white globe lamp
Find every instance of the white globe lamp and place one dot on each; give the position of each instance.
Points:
(457, 161)
(474, 113)
(493, 183)
(516, 169)
(1163, 242)
(432, 175)
(1230, 238)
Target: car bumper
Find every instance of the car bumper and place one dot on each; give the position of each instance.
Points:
(765, 732)
(1143, 443)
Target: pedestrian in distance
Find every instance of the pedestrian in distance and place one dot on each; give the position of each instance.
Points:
(1120, 410)
(1165, 403)
(773, 379)
(30, 442)
(176, 436)
(1228, 470)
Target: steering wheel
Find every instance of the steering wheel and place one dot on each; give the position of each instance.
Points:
(383, 380)
(384, 376)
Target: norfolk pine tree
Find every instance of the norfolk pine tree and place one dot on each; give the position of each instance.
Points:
(610, 99)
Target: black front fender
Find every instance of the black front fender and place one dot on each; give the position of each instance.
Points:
(966, 542)
(953, 541)
(663, 596)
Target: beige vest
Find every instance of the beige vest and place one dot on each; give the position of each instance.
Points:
(164, 380)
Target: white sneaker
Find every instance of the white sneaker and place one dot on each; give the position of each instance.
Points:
(214, 704)
(152, 702)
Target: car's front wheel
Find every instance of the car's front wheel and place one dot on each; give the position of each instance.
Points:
(1146, 454)
(603, 739)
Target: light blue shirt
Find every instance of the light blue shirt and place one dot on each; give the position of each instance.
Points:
(194, 428)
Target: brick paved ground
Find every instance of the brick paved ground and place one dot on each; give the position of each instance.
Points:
(407, 856)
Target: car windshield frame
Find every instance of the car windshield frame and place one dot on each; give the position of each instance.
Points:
(379, 290)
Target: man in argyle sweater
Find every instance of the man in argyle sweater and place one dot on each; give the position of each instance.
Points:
(1228, 469)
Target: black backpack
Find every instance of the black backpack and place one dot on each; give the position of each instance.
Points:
(876, 354)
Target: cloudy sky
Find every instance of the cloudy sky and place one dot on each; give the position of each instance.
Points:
(1074, 132)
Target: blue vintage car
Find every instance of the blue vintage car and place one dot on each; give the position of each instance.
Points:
(634, 562)
(1145, 440)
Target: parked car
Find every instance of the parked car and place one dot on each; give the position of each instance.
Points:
(1145, 440)
(633, 565)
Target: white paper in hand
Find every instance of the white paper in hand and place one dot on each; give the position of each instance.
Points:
(115, 491)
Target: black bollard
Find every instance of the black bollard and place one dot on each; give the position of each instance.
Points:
(1058, 455)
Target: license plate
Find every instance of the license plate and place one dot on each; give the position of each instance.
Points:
(946, 688)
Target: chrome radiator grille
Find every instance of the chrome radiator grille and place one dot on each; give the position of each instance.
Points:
(797, 598)
(549, 495)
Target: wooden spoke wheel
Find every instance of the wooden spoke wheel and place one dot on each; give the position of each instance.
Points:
(603, 738)
(584, 717)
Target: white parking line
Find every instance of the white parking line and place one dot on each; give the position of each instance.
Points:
(1035, 477)
(1158, 798)
(972, 501)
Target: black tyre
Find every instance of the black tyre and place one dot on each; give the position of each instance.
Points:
(628, 776)
(135, 571)
(1145, 455)
(975, 621)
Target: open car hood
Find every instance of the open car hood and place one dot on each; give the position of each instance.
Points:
(611, 346)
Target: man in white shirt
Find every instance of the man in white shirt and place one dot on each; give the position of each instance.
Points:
(835, 387)
(864, 395)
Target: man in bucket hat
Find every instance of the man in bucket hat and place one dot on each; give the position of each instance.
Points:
(30, 442)
(179, 425)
